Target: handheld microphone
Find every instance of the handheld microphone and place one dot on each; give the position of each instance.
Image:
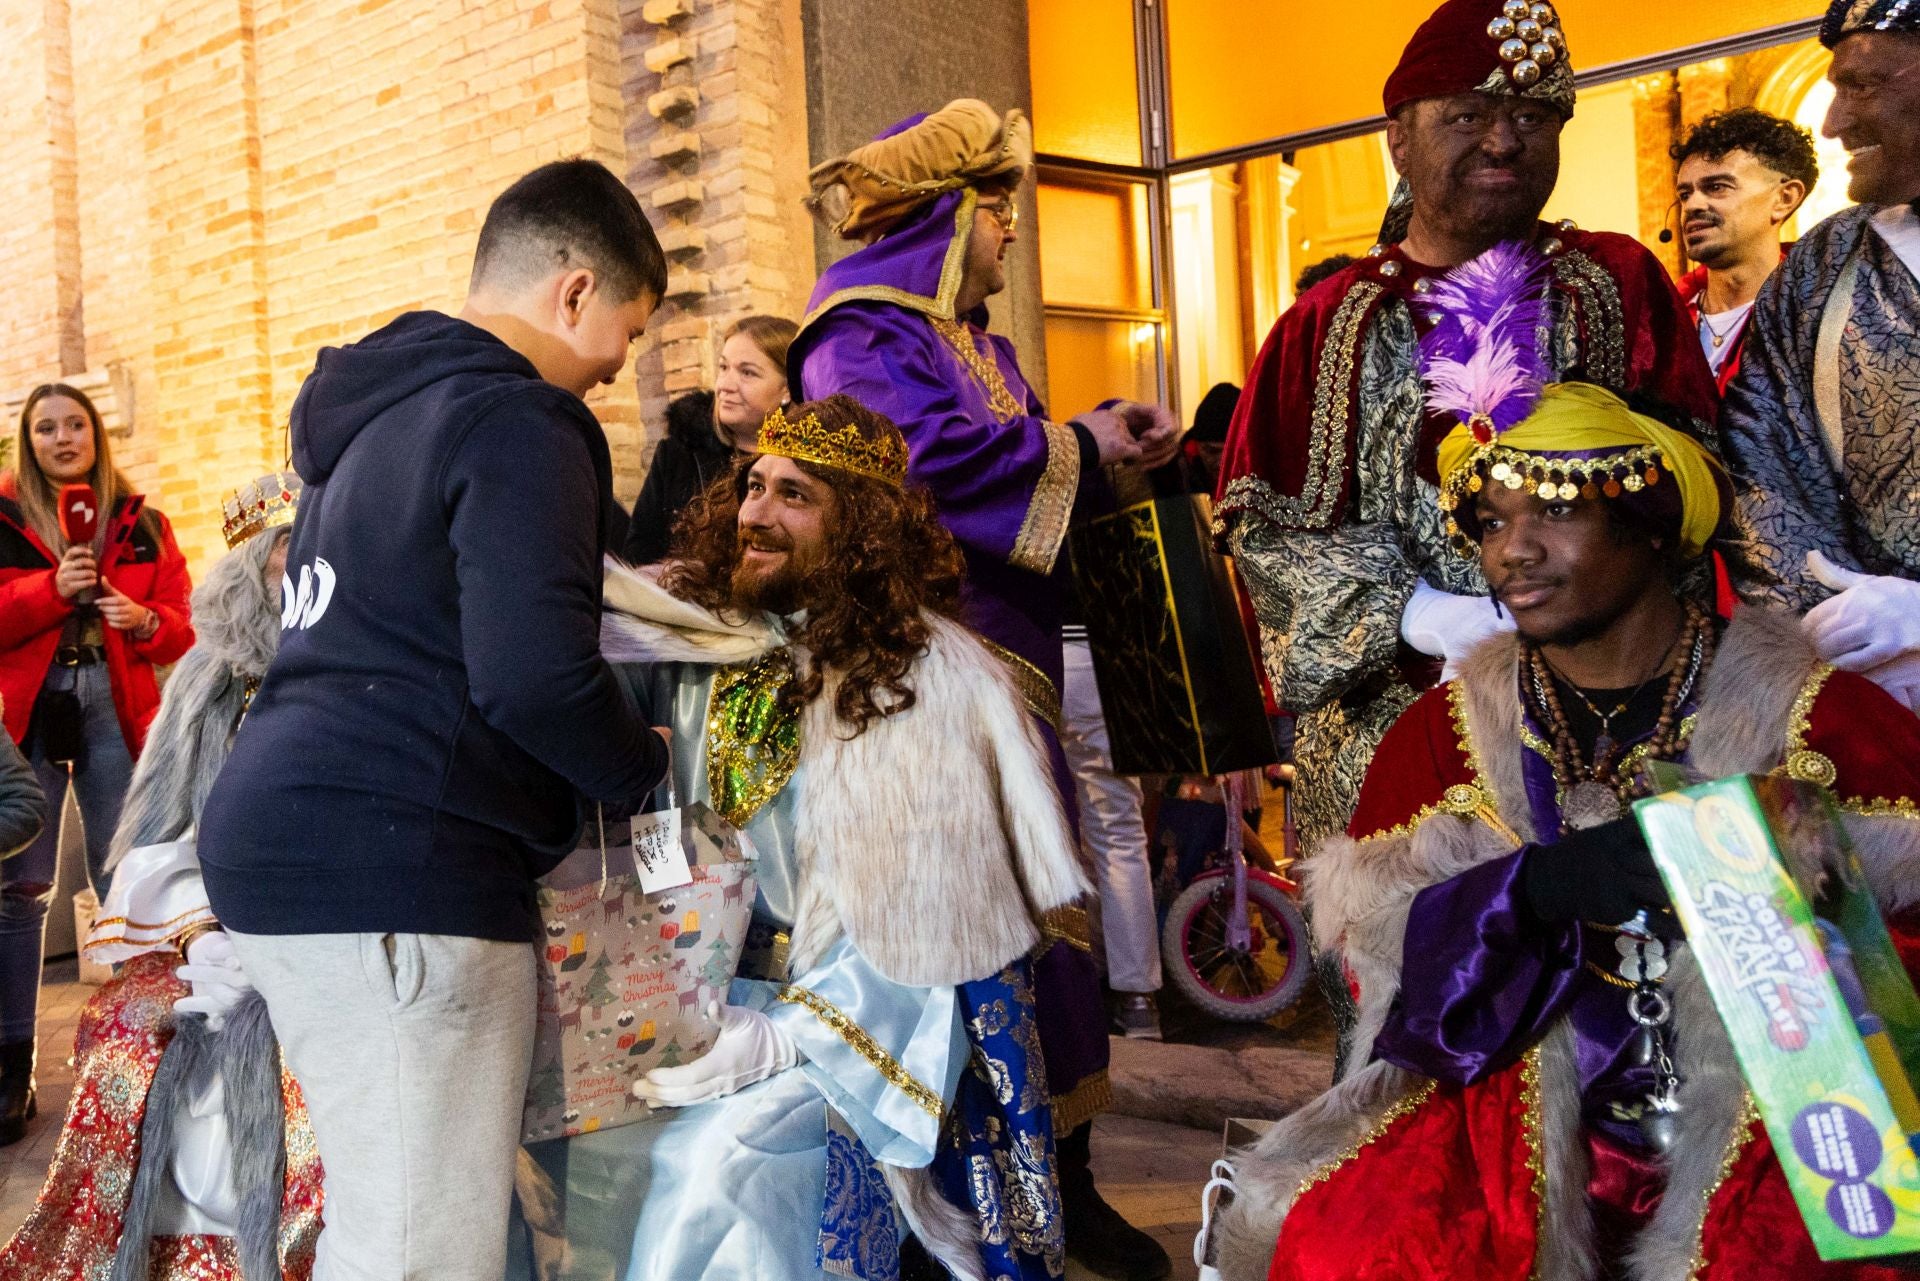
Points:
(79, 522)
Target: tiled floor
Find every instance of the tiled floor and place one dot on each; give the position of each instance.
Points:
(1151, 1172)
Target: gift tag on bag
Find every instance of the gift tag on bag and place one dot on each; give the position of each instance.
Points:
(658, 854)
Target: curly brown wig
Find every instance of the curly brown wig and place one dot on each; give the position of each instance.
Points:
(888, 560)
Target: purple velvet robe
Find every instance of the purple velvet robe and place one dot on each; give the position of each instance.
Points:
(1005, 479)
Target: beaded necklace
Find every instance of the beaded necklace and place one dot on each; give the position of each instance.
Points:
(1594, 792)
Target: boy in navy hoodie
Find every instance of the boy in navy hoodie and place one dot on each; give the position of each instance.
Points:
(412, 760)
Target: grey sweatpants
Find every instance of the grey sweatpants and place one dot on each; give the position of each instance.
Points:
(413, 1052)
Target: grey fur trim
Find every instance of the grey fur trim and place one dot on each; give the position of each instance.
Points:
(256, 1125)
(246, 1056)
(950, 1236)
(237, 628)
(186, 1065)
(1889, 850)
(1564, 1251)
(1267, 1175)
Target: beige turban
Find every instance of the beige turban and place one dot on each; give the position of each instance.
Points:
(874, 186)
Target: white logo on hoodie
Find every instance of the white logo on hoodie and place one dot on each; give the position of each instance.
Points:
(304, 608)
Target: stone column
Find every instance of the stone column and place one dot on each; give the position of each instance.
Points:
(1655, 108)
(716, 146)
(872, 62)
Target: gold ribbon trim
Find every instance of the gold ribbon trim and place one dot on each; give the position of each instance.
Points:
(1082, 1103)
(865, 1046)
(1067, 925)
(1037, 689)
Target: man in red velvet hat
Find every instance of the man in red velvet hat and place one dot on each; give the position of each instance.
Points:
(1326, 487)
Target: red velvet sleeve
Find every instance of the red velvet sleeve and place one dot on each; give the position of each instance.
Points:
(1273, 434)
(1419, 759)
(1873, 742)
(1663, 356)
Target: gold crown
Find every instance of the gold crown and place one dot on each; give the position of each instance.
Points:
(266, 503)
(809, 441)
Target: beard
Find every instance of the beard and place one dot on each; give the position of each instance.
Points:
(778, 590)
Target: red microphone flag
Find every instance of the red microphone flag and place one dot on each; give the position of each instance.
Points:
(79, 513)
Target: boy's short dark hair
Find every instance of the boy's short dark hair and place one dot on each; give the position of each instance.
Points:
(571, 213)
(1780, 145)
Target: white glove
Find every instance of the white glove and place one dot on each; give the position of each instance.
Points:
(1873, 620)
(1900, 678)
(219, 984)
(750, 1047)
(1449, 626)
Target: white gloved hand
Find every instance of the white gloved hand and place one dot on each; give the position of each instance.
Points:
(1873, 620)
(1449, 626)
(1900, 678)
(219, 984)
(750, 1048)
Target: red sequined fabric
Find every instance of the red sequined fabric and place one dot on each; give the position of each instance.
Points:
(74, 1228)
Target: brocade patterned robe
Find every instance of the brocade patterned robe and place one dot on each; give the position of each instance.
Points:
(1792, 498)
(1328, 498)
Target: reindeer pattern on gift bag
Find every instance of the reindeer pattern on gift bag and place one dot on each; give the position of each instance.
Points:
(625, 982)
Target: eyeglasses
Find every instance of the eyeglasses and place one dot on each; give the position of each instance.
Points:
(1006, 213)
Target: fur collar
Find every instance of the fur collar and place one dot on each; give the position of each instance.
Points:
(934, 839)
(642, 622)
(1361, 893)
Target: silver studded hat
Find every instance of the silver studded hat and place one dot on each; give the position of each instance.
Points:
(1511, 47)
(1848, 17)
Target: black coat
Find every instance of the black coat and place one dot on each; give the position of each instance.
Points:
(685, 463)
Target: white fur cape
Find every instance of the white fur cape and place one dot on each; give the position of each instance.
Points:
(1361, 892)
(934, 839)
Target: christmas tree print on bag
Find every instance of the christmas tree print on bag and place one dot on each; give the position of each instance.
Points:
(626, 976)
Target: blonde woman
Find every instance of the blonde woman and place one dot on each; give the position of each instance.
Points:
(82, 627)
(707, 431)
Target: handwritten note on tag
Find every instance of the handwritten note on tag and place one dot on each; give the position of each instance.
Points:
(658, 856)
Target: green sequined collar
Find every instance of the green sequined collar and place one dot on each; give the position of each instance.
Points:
(753, 743)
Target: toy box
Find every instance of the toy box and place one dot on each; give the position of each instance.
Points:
(1815, 1000)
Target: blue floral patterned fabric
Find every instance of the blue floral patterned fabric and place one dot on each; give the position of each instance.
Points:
(859, 1236)
(997, 1155)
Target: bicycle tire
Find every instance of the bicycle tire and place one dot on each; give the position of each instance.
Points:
(1192, 943)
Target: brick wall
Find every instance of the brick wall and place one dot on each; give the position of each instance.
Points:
(204, 192)
(717, 149)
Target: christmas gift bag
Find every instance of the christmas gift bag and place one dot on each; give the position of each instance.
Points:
(643, 929)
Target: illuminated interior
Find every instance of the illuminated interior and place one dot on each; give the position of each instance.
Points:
(1237, 234)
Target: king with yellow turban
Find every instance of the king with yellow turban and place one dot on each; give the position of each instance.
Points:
(1494, 907)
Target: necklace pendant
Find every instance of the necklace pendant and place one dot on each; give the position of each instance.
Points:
(1589, 804)
(1659, 1128)
(1717, 340)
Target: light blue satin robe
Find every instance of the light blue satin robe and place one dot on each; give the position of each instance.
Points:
(735, 1188)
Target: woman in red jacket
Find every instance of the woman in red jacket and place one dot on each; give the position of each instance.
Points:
(82, 628)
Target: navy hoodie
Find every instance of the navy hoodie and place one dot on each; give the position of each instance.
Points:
(411, 761)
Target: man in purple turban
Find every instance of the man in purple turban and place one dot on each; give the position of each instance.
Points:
(900, 325)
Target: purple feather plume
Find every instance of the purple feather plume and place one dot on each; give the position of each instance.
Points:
(1482, 357)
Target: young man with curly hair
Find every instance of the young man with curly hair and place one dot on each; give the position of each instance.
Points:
(1742, 174)
(878, 1049)
(1819, 426)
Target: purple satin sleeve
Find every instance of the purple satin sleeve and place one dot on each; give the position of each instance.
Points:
(1482, 980)
(983, 471)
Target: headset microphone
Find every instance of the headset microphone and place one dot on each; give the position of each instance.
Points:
(1666, 232)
